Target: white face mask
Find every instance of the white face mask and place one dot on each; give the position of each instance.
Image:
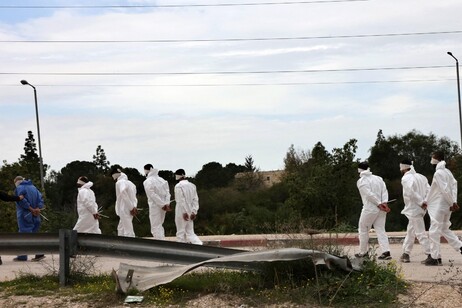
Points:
(146, 172)
(17, 183)
(434, 161)
(404, 167)
(115, 176)
(178, 177)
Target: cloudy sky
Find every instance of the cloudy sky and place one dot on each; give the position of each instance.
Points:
(180, 83)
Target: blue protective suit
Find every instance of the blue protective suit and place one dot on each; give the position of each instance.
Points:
(27, 222)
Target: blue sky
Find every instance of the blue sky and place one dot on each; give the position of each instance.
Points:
(168, 112)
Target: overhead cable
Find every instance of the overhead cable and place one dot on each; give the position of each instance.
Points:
(240, 39)
(227, 72)
(242, 84)
(171, 5)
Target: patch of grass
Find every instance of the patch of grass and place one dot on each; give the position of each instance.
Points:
(344, 228)
(205, 282)
(100, 284)
(377, 285)
(28, 284)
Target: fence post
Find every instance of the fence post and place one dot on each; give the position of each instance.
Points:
(67, 247)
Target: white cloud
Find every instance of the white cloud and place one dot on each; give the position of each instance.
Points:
(272, 52)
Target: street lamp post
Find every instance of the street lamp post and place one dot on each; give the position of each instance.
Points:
(458, 94)
(24, 82)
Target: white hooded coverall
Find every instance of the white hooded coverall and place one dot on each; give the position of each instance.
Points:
(373, 192)
(187, 202)
(158, 194)
(442, 194)
(86, 207)
(125, 202)
(415, 189)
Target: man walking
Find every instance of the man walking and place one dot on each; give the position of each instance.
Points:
(441, 200)
(374, 196)
(87, 208)
(28, 211)
(126, 203)
(415, 189)
(187, 205)
(158, 194)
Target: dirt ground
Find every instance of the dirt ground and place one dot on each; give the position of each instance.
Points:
(420, 294)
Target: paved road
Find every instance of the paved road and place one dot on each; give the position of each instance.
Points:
(450, 271)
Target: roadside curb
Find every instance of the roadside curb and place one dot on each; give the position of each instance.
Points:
(279, 240)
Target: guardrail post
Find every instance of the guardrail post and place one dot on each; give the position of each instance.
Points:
(67, 247)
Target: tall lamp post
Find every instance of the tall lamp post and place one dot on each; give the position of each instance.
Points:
(24, 82)
(458, 94)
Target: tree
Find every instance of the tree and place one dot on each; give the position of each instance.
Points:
(322, 188)
(100, 160)
(235, 169)
(345, 173)
(30, 149)
(249, 164)
(294, 159)
(250, 179)
(388, 152)
(29, 162)
(169, 176)
(213, 175)
(304, 183)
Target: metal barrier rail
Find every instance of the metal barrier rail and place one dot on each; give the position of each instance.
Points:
(69, 242)
(149, 249)
(19, 243)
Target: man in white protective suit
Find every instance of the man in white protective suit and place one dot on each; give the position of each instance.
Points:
(187, 205)
(441, 200)
(126, 203)
(158, 194)
(87, 209)
(374, 196)
(415, 189)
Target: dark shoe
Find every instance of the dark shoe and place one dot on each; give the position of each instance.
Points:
(385, 256)
(17, 259)
(428, 257)
(431, 262)
(362, 255)
(38, 258)
(1, 262)
(460, 249)
(440, 262)
(405, 258)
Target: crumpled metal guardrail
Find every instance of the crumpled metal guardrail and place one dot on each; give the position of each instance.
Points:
(143, 278)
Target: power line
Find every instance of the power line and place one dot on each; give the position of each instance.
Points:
(241, 84)
(239, 39)
(226, 72)
(171, 5)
